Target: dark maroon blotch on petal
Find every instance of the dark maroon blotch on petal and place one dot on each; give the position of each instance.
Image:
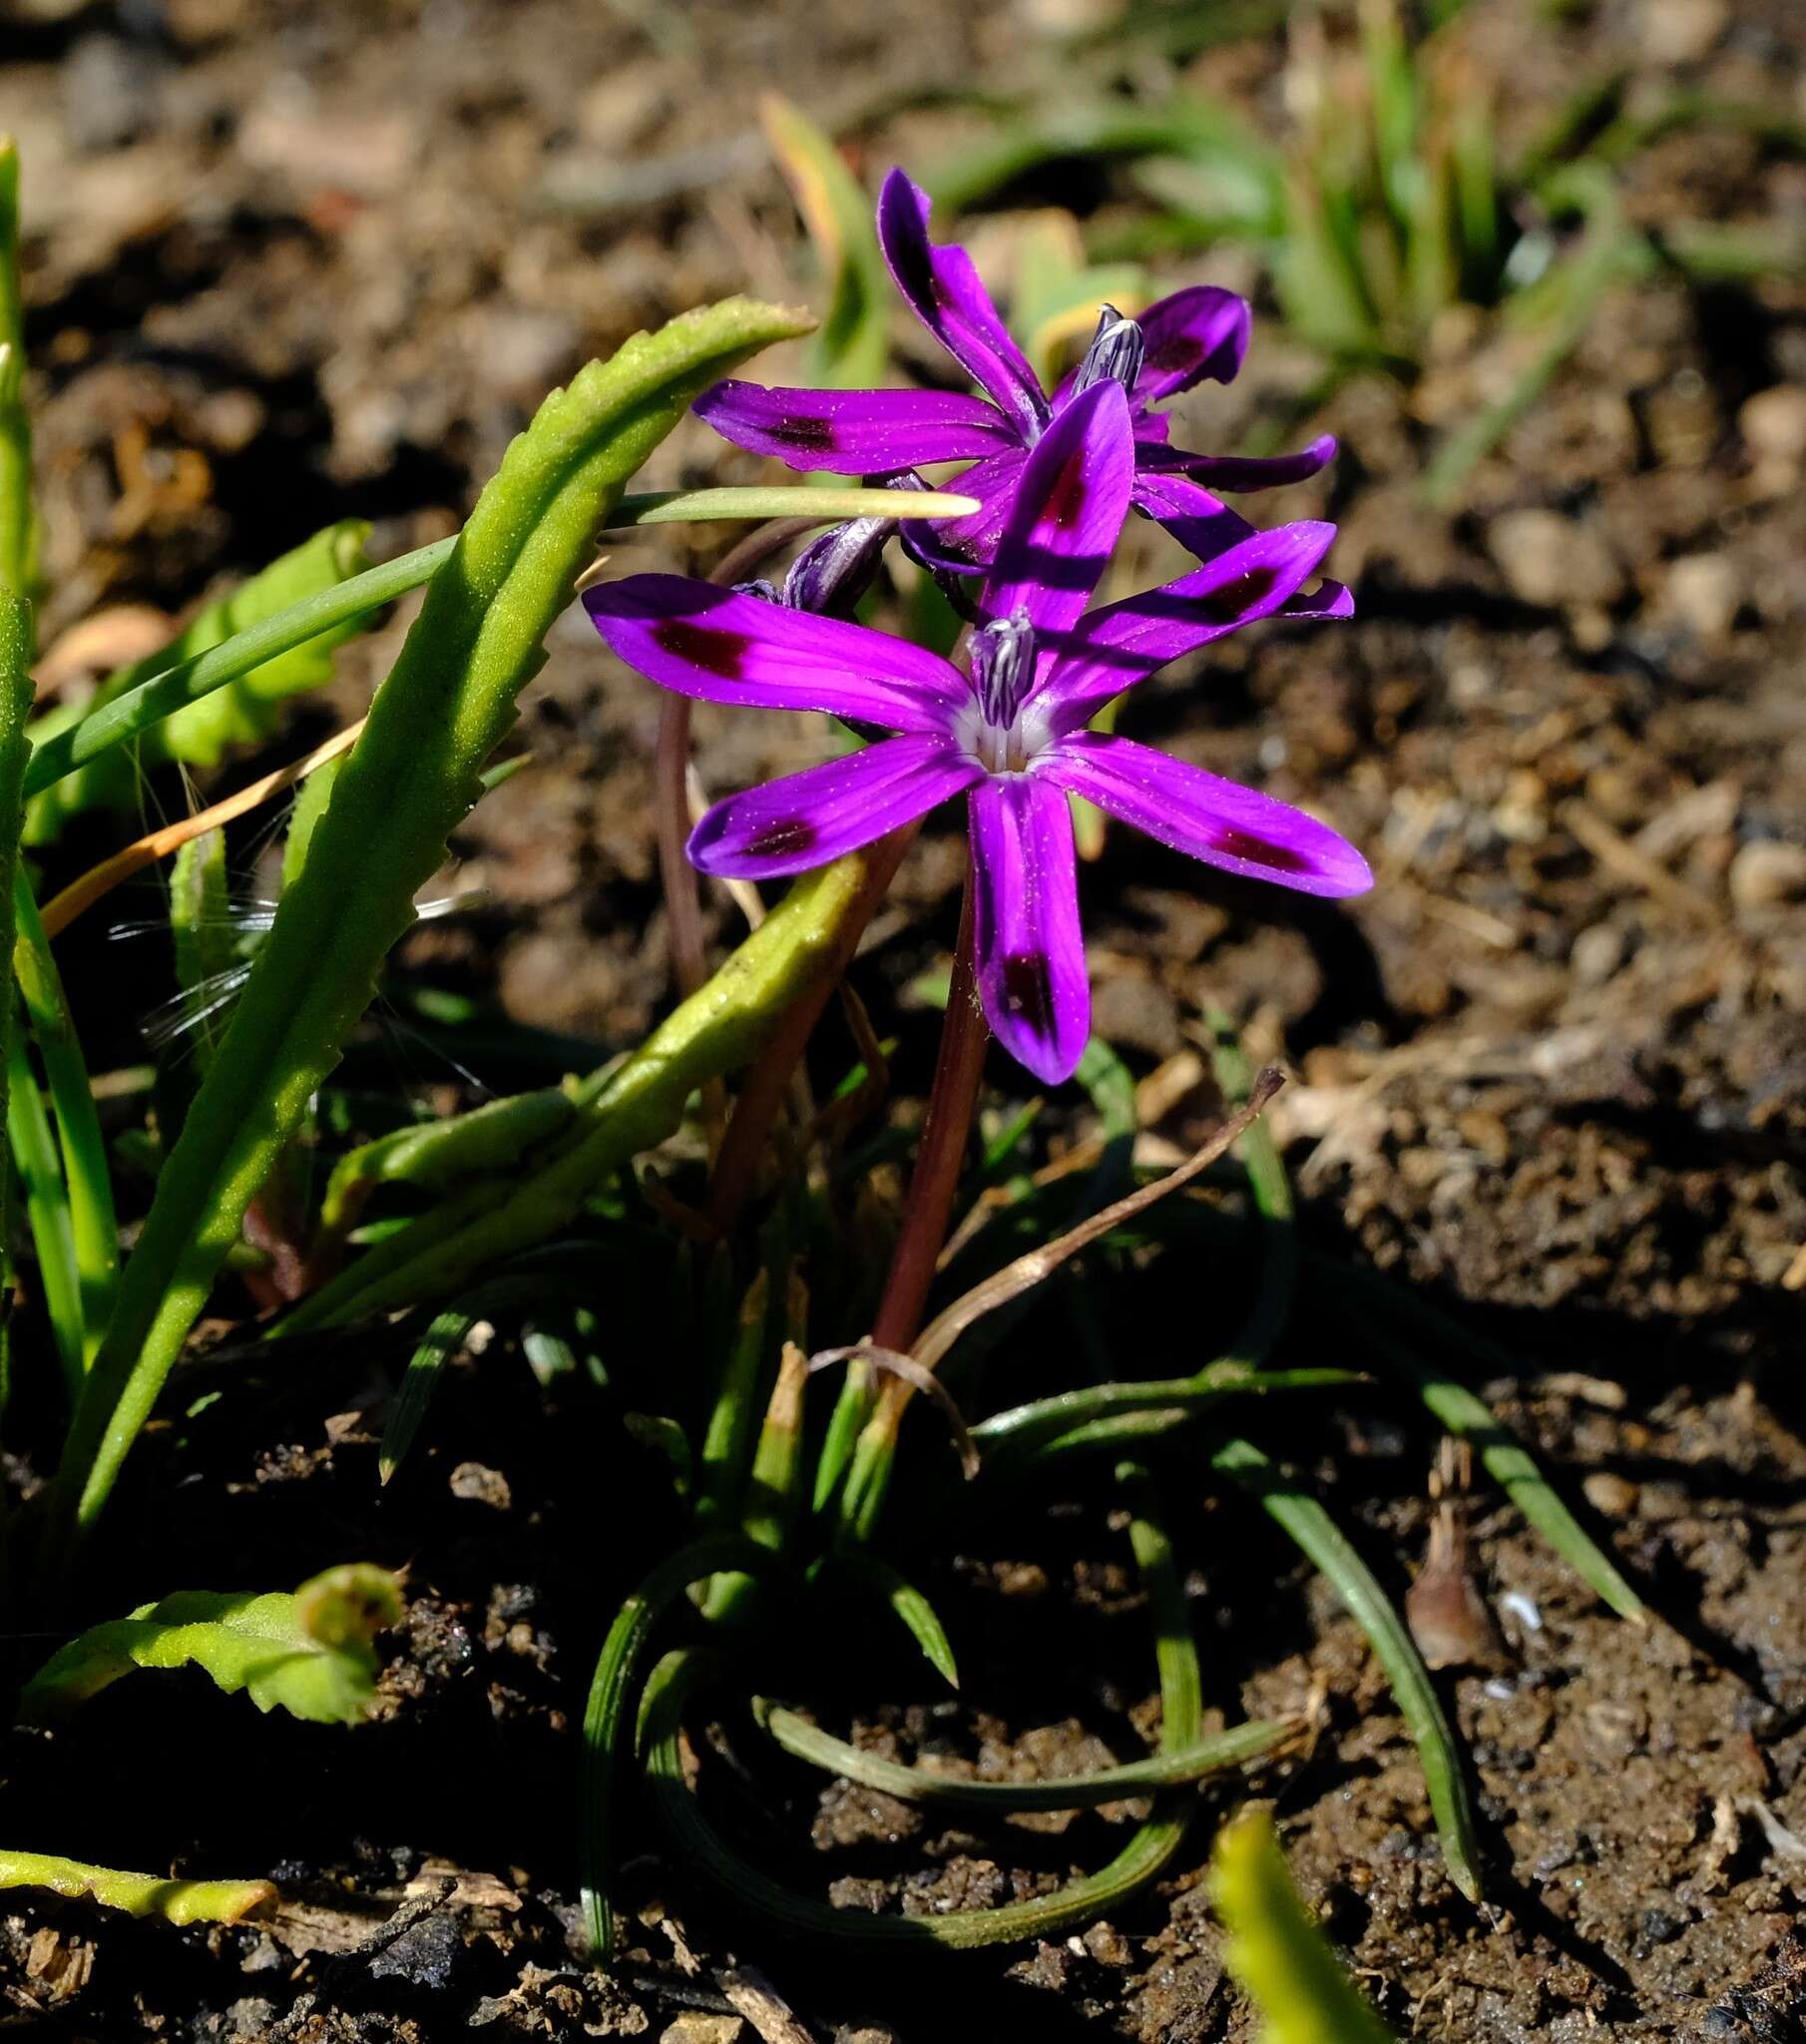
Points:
(1229, 602)
(709, 646)
(1259, 852)
(790, 835)
(809, 436)
(1029, 991)
(1067, 498)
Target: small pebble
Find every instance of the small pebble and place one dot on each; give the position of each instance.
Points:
(1704, 592)
(1769, 871)
(1773, 425)
(479, 1485)
(1597, 953)
(1554, 561)
(1609, 1495)
(693, 2027)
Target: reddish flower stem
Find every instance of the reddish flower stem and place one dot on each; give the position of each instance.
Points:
(951, 1103)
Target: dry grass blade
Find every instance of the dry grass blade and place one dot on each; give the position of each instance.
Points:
(81, 894)
(1039, 1264)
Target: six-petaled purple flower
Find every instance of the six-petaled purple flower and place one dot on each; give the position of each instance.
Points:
(1180, 341)
(1011, 734)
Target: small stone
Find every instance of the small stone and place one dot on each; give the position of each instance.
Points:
(1659, 1927)
(693, 2027)
(1705, 592)
(1552, 561)
(1768, 873)
(426, 1954)
(1774, 424)
(1683, 31)
(478, 1485)
(1597, 953)
(1611, 1496)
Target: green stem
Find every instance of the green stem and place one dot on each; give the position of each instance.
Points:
(17, 521)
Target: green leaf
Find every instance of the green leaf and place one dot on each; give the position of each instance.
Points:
(1058, 296)
(15, 708)
(139, 1895)
(412, 778)
(1276, 1950)
(309, 1652)
(848, 351)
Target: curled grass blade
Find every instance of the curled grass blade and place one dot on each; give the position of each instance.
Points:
(807, 1742)
(1275, 1948)
(138, 1894)
(749, 1892)
(604, 1716)
(1307, 1523)
(412, 778)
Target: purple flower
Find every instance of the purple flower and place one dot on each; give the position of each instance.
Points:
(1179, 342)
(1011, 733)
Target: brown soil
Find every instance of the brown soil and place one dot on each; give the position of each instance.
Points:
(289, 263)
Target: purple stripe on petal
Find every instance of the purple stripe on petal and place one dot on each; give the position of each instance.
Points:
(1232, 472)
(965, 546)
(1196, 334)
(945, 293)
(1027, 946)
(698, 640)
(807, 819)
(1124, 642)
(855, 432)
(1214, 819)
(1069, 509)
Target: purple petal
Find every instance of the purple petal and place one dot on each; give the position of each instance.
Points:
(1214, 819)
(1123, 641)
(1232, 472)
(727, 647)
(1027, 947)
(855, 432)
(1194, 333)
(807, 819)
(1069, 509)
(1328, 600)
(945, 293)
(963, 546)
(1203, 524)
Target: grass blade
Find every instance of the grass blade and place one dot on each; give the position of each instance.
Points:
(1305, 1520)
(849, 349)
(34, 1146)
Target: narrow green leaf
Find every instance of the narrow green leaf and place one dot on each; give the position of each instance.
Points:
(443, 1338)
(86, 1170)
(139, 1895)
(309, 1652)
(780, 500)
(15, 709)
(1276, 1950)
(34, 1147)
(1305, 1520)
(911, 1608)
(411, 778)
